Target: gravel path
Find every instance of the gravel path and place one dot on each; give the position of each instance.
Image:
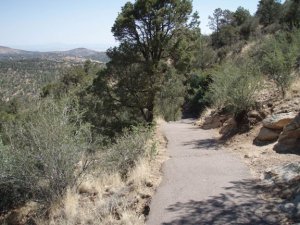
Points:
(204, 184)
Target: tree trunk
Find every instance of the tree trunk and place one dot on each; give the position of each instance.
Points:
(147, 114)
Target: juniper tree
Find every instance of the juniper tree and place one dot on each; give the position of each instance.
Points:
(153, 38)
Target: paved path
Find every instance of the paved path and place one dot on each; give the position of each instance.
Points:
(204, 184)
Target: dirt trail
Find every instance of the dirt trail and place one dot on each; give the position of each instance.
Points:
(205, 184)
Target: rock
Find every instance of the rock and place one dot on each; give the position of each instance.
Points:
(289, 139)
(288, 208)
(283, 174)
(213, 121)
(264, 113)
(149, 184)
(228, 126)
(278, 121)
(266, 134)
(297, 200)
(145, 196)
(288, 105)
(246, 156)
(297, 215)
(293, 208)
(255, 114)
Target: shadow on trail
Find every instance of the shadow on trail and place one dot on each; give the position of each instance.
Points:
(245, 207)
(204, 144)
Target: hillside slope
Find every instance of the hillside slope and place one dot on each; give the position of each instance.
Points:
(78, 54)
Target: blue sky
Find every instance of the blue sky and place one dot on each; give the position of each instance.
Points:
(65, 24)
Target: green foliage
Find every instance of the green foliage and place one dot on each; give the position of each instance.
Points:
(139, 66)
(44, 150)
(170, 99)
(129, 147)
(291, 13)
(248, 28)
(219, 19)
(25, 78)
(54, 89)
(205, 56)
(241, 15)
(228, 35)
(74, 79)
(278, 57)
(268, 11)
(231, 27)
(220, 23)
(197, 88)
(8, 111)
(106, 115)
(234, 87)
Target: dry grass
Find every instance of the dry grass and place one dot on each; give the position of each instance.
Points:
(104, 198)
(295, 88)
(204, 115)
(141, 174)
(71, 206)
(98, 200)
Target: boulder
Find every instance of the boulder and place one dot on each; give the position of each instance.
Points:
(284, 182)
(288, 208)
(289, 139)
(294, 124)
(213, 121)
(267, 134)
(255, 114)
(278, 121)
(229, 126)
(283, 174)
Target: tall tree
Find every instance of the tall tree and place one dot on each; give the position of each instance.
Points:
(291, 13)
(220, 19)
(268, 11)
(241, 15)
(215, 20)
(151, 34)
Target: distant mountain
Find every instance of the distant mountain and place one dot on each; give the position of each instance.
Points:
(84, 52)
(77, 55)
(6, 50)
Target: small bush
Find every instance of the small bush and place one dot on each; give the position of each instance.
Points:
(234, 87)
(197, 87)
(44, 151)
(170, 99)
(128, 149)
(277, 58)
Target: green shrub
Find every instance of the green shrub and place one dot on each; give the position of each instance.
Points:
(278, 60)
(170, 99)
(234, 87)
(128, 149)
(44, 150)
(197, 88)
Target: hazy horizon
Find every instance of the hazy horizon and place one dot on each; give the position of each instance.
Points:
(58, 47)
(63, 25)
